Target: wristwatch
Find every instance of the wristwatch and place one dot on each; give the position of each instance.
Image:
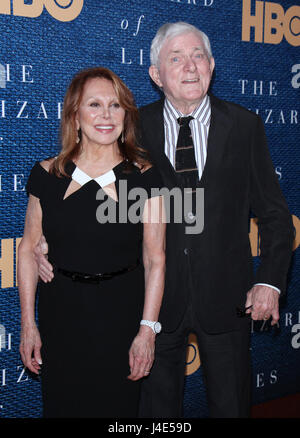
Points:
(155, 325)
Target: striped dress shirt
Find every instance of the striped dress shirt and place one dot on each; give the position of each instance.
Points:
(199, 127)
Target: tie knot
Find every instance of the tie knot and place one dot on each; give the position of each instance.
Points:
(183, 121)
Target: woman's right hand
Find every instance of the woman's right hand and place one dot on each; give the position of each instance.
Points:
(30, 348)
(45, 269)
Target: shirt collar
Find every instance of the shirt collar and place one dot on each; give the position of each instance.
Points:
(201, 113)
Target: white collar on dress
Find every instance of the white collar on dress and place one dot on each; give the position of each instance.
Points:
(103, 180)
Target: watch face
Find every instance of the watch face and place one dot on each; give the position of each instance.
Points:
(157, 327)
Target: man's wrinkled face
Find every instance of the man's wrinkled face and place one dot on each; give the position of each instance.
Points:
(184, 71)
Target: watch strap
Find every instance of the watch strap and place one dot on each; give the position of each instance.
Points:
(150, 324)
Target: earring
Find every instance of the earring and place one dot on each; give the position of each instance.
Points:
(122, 138)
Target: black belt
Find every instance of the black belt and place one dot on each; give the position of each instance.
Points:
(95, 278)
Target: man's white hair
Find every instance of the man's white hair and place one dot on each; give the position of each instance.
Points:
(170, 30)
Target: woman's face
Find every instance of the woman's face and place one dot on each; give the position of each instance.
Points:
(100, 116)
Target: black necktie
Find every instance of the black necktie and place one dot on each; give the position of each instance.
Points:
(185, 163)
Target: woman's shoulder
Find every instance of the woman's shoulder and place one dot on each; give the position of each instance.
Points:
(151, 177)
(150, 171)
(47, 163)
(145, 168)
(40, 167)
(39, 176)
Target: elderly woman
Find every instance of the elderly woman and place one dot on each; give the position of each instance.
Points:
(98, 316)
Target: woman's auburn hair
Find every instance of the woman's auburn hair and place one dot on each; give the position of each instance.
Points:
(70, 150)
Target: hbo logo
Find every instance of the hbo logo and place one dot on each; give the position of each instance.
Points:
(62, 10)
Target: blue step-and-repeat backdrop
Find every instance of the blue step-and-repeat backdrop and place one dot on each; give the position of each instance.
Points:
(44, 42)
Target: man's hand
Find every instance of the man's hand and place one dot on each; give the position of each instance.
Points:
(264, 302)
(45, 269)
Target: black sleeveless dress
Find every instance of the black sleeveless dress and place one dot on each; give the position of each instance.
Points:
(87, 329)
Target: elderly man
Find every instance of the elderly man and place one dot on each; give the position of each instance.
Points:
(198, 141)
(222, 148)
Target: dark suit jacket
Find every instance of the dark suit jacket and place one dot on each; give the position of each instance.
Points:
(238, 178)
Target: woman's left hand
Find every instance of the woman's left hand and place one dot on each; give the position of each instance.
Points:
(141, 353)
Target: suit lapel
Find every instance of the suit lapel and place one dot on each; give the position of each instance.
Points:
(220, 127)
